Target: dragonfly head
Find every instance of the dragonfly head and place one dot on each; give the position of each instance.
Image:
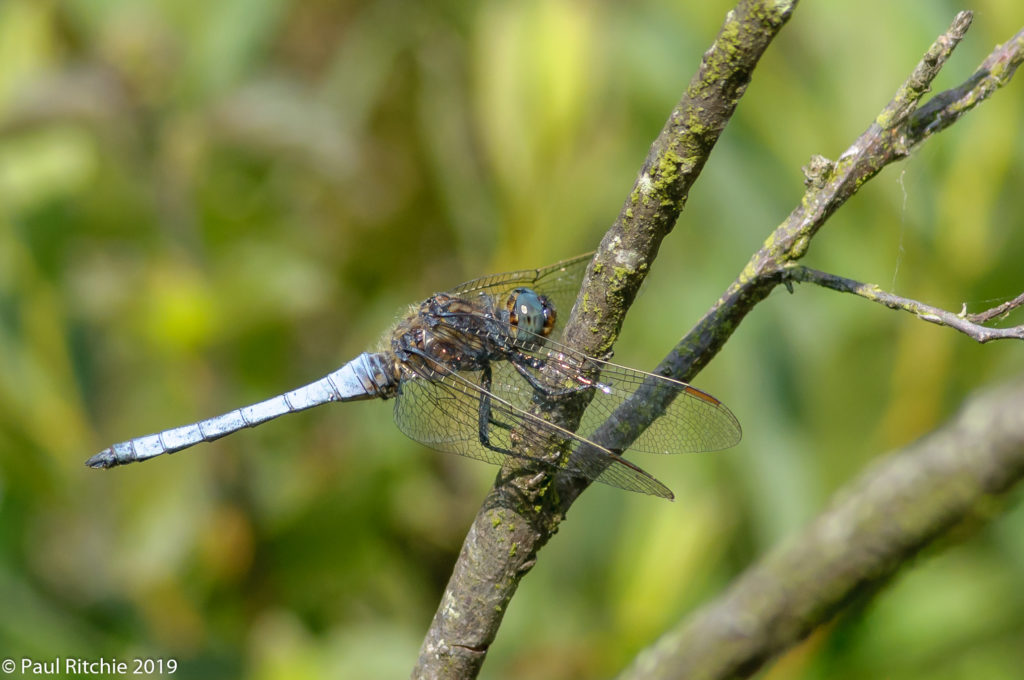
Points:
(530, 314)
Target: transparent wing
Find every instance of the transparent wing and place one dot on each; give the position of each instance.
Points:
(445, 415)
(560, 282)
(683, 418)
(690, 420)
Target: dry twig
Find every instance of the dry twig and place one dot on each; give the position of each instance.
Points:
(969, 325)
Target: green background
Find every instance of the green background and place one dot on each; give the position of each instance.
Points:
(203, 204)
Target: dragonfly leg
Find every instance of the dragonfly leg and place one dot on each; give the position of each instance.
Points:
(486, 418)
(521, 362)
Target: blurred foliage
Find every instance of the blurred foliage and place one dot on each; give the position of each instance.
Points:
(204, 204)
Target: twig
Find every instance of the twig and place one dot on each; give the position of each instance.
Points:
(900, 505)
(995, 312)
(870, 291)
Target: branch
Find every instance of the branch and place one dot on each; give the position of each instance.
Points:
(969, 325)
(517, 520)
(875, 524)
(897, 129)
(856, 546)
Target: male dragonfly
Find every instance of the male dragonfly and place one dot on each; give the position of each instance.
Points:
(466, 369)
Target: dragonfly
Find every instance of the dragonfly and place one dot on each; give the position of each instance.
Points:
(468, 369)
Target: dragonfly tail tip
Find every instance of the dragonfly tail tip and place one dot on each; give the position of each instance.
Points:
(103, 460)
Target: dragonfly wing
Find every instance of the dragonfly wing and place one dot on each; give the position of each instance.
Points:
(587, 459)
(445, 415)
(567, 270)
(682, 418)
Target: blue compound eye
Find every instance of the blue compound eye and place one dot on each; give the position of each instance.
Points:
(530, 313)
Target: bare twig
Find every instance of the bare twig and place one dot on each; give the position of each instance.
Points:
(935, 315)
(995, 312)
(900, 505)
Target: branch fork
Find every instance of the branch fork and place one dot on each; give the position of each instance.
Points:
(516, 521)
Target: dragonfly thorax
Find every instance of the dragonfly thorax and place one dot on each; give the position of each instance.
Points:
(446, 331)
(467, 333)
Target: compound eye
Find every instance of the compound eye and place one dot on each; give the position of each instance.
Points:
(530, 313)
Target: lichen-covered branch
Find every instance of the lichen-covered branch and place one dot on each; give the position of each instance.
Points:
(855, 547)
(673, 163)
(875, 524)
(959, 321)
(516, 519)
(889, 138)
